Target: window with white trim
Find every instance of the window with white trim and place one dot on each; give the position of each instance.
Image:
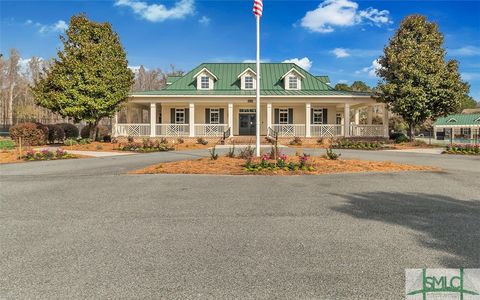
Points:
(317, 116)
(179, 116)
(214, 116)
(283, 116)
(205, 82)
(292, 83)
(248, 82)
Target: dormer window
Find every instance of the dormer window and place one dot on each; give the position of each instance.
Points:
(204, 82)
(292, 83)
(248, 82)
(205, 79)
(292, 80)
(247, 79)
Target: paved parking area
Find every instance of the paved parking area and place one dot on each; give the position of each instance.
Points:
(84, 229)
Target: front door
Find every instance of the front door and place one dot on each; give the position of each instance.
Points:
(247, 124)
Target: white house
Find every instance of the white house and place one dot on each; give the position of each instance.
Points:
(218, 99)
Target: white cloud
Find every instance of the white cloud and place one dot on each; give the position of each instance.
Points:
(305, 62)
(159, 12)
(343, 81)
(340, 52)
(59, 26)
(204, 20)
(470, 76)
(342, 13)
(371, 70)
(465, 51)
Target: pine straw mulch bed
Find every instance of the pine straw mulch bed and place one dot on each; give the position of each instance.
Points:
(235, 166)
(12, 156)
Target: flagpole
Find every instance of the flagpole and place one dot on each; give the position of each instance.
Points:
(257, 125)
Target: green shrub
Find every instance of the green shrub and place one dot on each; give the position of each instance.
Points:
(55, 133)
(329, 154)
(70, 142)
(46, 154)
(70, 130)
(296, 141)
(6, 144)
(31, 134)
(213, 153)
(399, 137)
(202, 141)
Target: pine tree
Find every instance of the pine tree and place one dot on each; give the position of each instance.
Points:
(90, 79)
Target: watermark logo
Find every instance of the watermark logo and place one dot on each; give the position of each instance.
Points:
(423, 284)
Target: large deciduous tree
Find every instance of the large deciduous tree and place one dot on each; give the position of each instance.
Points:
(90, 79)
(416, 81)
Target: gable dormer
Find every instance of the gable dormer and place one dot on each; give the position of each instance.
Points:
(248, 79)
(292, 80)
(452, 120)
(205, 79)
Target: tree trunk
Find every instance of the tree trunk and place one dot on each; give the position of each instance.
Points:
(93, 130)
(411, 132)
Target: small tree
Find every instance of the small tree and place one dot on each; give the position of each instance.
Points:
(360, 86)
(90, 79)
(417, 83)
(342, 87)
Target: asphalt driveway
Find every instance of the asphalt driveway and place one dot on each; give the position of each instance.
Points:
(84, 229)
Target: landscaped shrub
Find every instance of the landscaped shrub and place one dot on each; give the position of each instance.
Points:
(70, 142)
(247, 152)
(351, 144)
(329, 154)
(55, 133)
(46, 154)
(102, 131)
(202, 141)
(180, 140)
(213, 153)
(296, 141)
(399, 137)
(6, 144)
(147, 145)
(107, 139)
(266, 164)
(462, 149)
(231, 151)
(70, 130)
(31, 134)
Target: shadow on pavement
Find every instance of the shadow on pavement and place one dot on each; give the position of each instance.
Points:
(443, 223)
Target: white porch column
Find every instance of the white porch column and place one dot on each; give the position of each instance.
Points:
(191, 119)
(230, 118)
(385, 121)
(269, 116)
(308, 112)
(434, 132)
(153, 118)
(346, 120)
(357, 116)
(369, 114)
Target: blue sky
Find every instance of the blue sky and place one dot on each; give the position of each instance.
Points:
(339, 38)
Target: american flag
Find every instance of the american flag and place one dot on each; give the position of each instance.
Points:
(257, 8)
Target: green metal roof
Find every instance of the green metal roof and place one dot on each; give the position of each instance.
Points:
(172, 79)
(324, 78)
(459, 119)
(229, 84)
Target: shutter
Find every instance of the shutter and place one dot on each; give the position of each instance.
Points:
(222, 117)
(277, 116)
(187, 116)
(311, 116)
(325, 116)
(172, 116)
(290, 116)
(207, 115)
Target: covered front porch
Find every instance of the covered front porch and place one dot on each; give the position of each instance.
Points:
(224, 120)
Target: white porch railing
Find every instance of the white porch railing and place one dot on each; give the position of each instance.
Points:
(132, 130)
(172, 129)
(210, 129)
(289, 129)
(367, 130)
(326, 130)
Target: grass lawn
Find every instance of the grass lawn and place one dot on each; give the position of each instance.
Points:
(236, 166)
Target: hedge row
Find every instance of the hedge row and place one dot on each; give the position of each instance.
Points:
(35, 134)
